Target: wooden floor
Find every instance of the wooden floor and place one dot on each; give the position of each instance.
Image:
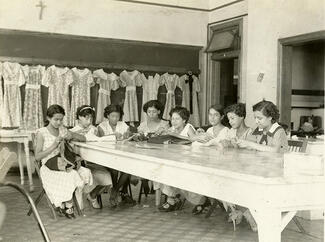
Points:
(139, 223)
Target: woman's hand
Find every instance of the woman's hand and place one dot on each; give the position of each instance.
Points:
(118, 136)
(67, 135)
(199, 131)
(161, 131)
(58, 140)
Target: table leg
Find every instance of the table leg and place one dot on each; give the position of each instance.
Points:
(269, 225)
(158, 197)
(21, 167)
(29, 168)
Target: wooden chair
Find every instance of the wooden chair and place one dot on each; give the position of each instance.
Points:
(297, 145)
(42, 194)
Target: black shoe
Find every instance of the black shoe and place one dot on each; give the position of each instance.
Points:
(167, 207)
(198, 209)
(69, 213)
(126, 199)
(60, 212)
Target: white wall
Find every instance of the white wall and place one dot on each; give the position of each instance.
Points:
(107, 18)
(267, 22)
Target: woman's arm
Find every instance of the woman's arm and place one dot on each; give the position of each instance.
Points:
(255, 146)
(39, 153)
(101, 132)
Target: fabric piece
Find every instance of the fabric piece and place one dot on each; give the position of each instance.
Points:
(190, 97)
(33, 113)
(143, 127)
(107, 82)
(13, 77)
(170, 82)
(150, 88)
(80, 93)
(58, 80)
(130, 108)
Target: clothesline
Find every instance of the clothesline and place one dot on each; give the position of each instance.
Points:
(112, 67)
(58, 80)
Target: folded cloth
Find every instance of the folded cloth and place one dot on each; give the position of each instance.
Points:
(168, 139)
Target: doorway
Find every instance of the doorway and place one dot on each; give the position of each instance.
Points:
(301, 79)
(223, 63)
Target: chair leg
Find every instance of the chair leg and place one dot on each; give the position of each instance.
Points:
(212, 208)
(75, 201)
(130, 191)
(300, 227)
(140, 193)
(99, 200)
(37, 200)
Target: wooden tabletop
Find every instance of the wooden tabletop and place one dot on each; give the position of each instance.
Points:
(247, 162)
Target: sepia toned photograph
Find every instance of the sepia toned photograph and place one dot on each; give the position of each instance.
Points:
(162, 120)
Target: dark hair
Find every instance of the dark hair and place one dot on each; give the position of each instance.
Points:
(268, 109)
(153, 104)
(85, 110)
(224, 121)
(218, 108)
(181, 111)
(113, 108)
(238, 108)
(52, 110)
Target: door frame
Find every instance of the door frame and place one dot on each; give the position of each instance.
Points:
(213, 67)
(284, 82)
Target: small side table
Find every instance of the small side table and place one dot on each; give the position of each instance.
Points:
(21, 138)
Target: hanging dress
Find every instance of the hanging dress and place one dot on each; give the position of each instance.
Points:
(80, 93)
(150, 88)
(190, 88)
(58, 80)
(13, 77)
(1, 94)
(130, 108)
(33, 113)
(170, 82)
(107, 82)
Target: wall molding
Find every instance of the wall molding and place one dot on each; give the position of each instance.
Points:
(181, 7)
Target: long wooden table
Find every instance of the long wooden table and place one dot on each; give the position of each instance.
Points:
(247, 178)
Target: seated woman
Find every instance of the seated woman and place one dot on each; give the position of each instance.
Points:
(180, 128)
(217, 132)
(269, 136)
(102, 178)
(153, 109)
(236, 114)
(59, 180)
(113, 126)
(153, 124)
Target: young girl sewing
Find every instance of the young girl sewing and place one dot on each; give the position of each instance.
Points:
(113, 126)
(102, 178)
(236, 114)
(182, 129)
(59, 180)
(269, 135)
(218, 131)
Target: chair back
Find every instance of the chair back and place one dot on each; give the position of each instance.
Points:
(297, 145)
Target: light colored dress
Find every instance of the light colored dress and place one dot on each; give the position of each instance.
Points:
(33, 113)
(150, 88)
(60, 185)
(121, 127)
(170, 82)
(80, 93)
(130, 80)
(184, 85)
(107, 82)
(143, 127)
(101, 174)
(13, 77)
(58, 80)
